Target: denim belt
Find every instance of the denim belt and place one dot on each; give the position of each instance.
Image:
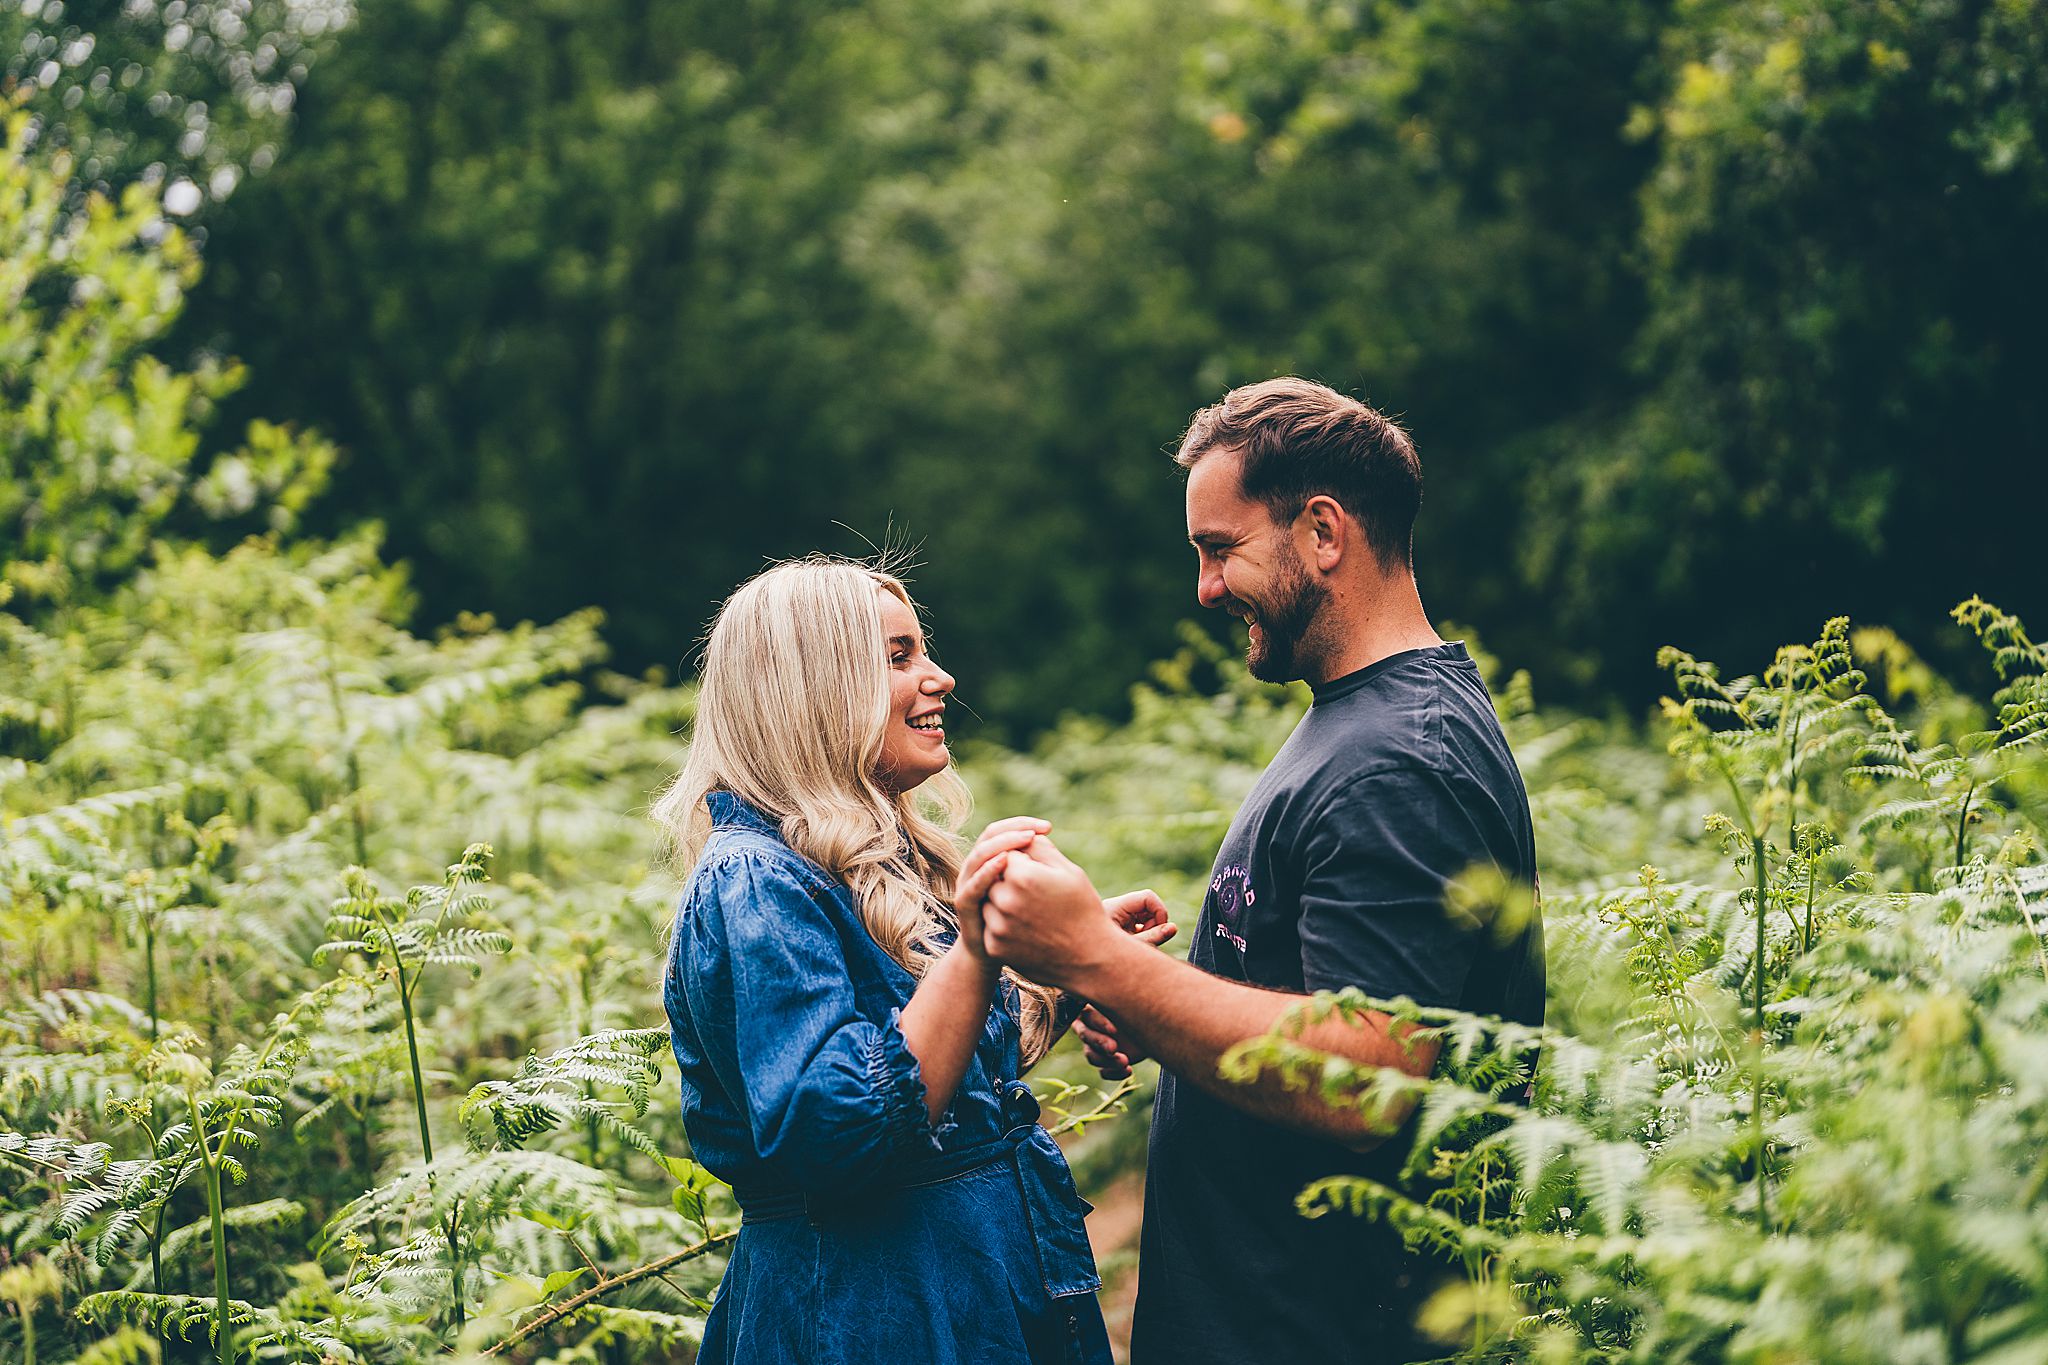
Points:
(1051, 1203)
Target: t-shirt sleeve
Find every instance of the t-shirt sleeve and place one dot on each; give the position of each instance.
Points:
(1376, 860)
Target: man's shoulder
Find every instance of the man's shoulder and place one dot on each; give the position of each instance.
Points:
(1395, 722)
(1417, 714)
(1425, 736)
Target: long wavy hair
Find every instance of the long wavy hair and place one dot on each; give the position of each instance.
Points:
(792, 711)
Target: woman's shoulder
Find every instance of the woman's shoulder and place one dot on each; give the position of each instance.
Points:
(748, 861)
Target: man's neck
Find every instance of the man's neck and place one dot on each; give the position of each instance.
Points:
(1380, 620)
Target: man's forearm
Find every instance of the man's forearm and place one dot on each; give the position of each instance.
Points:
(1187, 1019)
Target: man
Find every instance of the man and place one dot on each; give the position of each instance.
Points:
(1301, 505)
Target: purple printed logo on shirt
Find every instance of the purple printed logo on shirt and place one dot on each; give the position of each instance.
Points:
(1232, 888)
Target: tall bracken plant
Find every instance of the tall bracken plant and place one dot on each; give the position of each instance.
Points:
(198, 751)
(1789, 1112)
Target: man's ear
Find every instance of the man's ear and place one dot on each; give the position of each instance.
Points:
(1331, 531)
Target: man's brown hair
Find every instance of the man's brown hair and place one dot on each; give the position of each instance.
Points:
(1300, 440)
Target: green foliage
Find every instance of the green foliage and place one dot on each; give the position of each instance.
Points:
(197, 90)
(1656, 284)
(1789, 1104)
(254, 1329)
(548, 1092)
(1787, 1110)
(200, 753)
(335, 734)
(98, 437)
(95, 433)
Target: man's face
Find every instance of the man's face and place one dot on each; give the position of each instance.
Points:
(1251, 567)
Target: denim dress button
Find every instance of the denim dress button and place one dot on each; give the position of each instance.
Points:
(1020, 1106)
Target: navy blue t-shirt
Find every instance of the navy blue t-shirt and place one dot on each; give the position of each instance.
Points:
(1333, 874)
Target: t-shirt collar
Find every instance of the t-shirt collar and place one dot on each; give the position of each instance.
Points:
(1452, 651)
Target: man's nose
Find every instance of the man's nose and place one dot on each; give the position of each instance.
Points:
(1209, 587)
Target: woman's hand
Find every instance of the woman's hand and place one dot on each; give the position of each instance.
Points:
(983, 869)
(968, 898)
(1016, 832)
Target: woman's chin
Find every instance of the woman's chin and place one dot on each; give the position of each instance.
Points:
(909, 777)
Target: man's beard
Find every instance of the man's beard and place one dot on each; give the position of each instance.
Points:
(1285, 619)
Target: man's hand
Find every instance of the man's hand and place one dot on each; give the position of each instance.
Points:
(1045, 919)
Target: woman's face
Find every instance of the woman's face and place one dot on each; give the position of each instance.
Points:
(914, 747)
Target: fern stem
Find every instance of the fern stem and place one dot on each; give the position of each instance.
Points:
(156, 1246)
(453, 1232)
(1963, 821)
(1806, 935)
(1761, 880)
(1805, 938)
(587, 1007)
(412, 1049)
(1756, 1101)
(223, 1342)
(149, 971)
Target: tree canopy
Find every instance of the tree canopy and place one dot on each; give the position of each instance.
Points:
(1709, 319)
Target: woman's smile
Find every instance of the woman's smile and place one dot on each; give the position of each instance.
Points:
(917, 693)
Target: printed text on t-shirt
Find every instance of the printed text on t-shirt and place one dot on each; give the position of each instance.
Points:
(1232, 889)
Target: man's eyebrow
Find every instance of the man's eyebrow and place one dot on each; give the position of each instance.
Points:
(1207, 538)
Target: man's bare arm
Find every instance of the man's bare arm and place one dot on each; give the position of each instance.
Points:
(1188, 1019)
(1046, 919)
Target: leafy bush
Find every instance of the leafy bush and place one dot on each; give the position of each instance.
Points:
(1791, 1106)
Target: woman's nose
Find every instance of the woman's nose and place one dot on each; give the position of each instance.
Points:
(939, 682)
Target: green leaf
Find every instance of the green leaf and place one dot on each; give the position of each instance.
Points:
(560, 1280)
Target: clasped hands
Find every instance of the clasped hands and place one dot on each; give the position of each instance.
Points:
(1024, 904)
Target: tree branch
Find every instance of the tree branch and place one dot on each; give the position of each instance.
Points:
(625, 1277)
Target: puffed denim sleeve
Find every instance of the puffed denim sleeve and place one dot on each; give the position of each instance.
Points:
(831, 1098)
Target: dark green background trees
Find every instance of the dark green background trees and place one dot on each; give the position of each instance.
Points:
(1710, 318)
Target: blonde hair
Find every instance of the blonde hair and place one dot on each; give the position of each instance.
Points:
(792, 713)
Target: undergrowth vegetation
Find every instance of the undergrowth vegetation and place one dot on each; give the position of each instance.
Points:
(1794, 1087)
(329, 950)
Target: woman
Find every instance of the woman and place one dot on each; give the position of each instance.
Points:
(849, 1054)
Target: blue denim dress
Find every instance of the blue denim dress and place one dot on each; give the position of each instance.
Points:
(869, 1236)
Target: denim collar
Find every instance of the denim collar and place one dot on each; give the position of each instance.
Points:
(732, 812)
